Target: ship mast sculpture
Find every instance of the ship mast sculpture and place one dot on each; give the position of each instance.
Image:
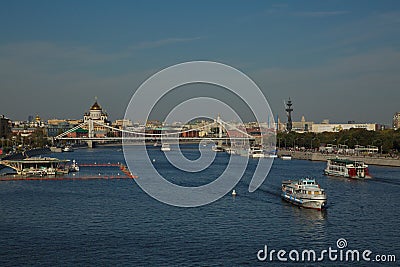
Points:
(289, 110)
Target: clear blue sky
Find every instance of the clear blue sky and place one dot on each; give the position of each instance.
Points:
(338, 60)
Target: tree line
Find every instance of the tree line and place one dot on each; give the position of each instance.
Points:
(387, 141)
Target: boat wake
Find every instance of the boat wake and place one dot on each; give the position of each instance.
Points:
(271, 189)
(385, 181)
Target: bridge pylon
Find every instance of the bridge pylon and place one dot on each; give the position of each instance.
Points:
(90, 133)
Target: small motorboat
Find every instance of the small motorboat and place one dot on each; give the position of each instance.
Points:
(74, 167)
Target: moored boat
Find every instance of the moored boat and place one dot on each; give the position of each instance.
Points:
(165, 147)
(230, 151)
(286, 157)
(305, 193)
(67, 149)
(347, 168)
(35, 172)
(256, 153)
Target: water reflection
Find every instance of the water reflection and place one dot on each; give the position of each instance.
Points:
(309, 216)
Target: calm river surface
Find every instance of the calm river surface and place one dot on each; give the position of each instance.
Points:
(113, 222)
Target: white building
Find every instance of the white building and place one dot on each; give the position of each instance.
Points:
(337, 127)
(96, 114)
(121, 124)
(302, 125)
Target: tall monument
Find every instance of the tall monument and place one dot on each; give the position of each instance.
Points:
(289, 110)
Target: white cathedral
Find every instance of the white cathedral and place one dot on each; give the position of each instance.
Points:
(96, 114)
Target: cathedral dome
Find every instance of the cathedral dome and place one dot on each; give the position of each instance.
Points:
(95, 106)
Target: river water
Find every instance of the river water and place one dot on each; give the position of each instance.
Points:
(113, 222)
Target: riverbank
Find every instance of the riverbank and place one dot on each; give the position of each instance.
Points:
(317, 156)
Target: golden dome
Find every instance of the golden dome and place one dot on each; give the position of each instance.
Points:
(95, 106)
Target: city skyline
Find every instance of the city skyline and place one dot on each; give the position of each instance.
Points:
(336, 60)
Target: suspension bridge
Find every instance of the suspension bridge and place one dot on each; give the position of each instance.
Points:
(226, 132)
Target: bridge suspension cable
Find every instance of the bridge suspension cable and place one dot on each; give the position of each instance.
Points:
(90, 124)
(70, 130)
(151, 134)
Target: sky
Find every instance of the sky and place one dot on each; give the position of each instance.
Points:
(336, 60)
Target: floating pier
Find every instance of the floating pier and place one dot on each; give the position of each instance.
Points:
(49, 178)
(126, 174)
(37, 166)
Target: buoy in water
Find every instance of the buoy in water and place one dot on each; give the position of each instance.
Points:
(234, 192)
(154, 160)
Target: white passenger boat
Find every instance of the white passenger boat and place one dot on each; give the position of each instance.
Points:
(305, 193)
(347, 168)
(286, 157)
